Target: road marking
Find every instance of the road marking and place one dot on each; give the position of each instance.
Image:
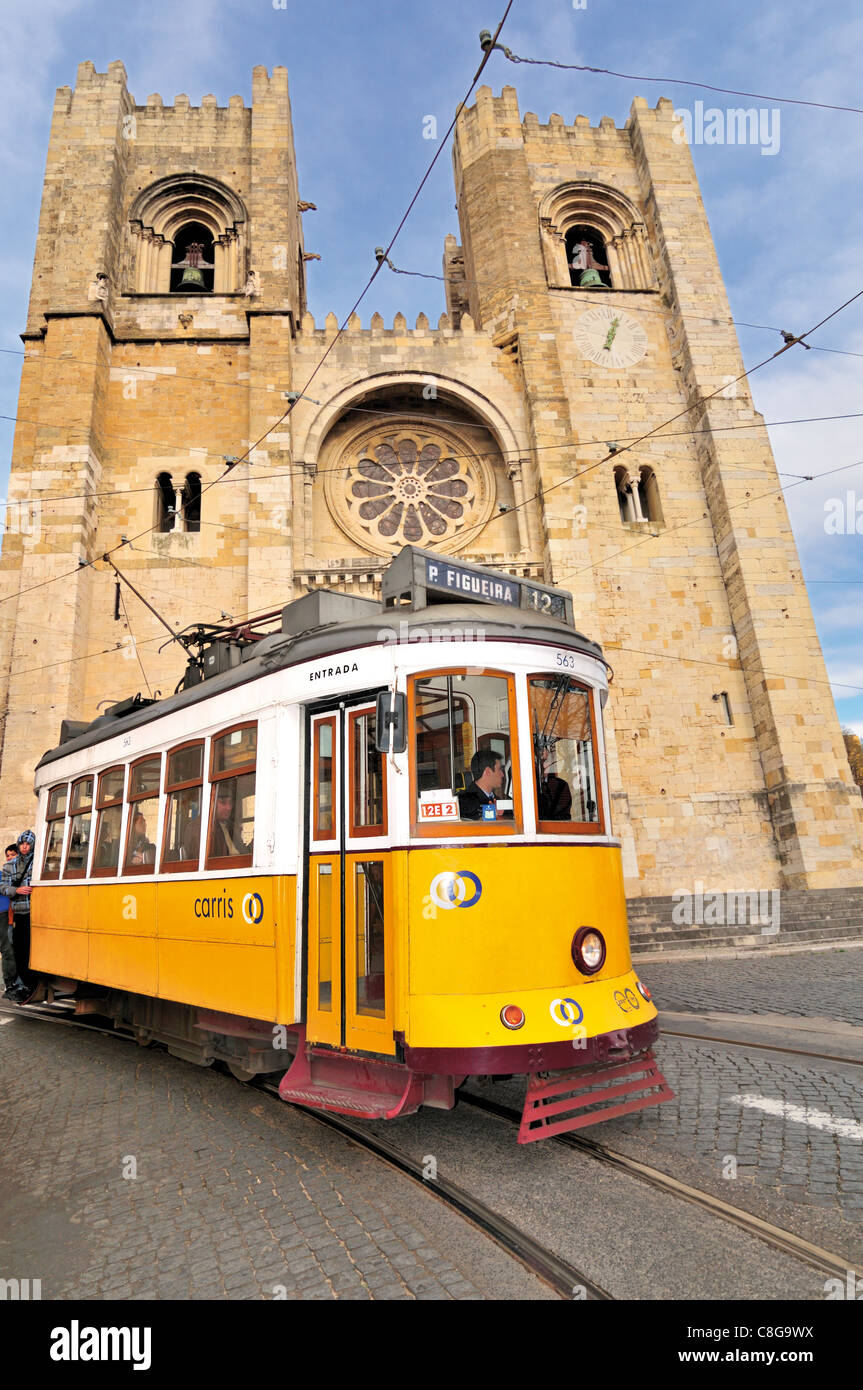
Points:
(802, 1115)
(6, 1020)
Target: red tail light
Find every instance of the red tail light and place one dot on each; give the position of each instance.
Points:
(511, 1016)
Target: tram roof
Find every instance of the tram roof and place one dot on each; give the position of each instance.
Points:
(438, 623)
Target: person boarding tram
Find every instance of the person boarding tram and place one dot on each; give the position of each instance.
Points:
(15, 885)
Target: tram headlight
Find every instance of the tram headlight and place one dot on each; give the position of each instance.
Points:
(588, 950)
(511, 1016)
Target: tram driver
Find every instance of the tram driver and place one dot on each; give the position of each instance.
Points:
(489, 776)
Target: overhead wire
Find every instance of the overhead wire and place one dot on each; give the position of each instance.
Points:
(671, 81)
(237, 460)
(616, 452)
(429, 421)
(134, 642)
(542, 492)
(161, 375)
(747, 501)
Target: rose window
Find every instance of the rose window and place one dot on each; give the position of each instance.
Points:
(419, 489)
(416, 494)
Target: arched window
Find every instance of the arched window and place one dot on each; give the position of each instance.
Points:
(624, 495)
(613, 228)
(192, 502)
(586, 257)
(648, 497)
(638, 496)
(166, 502)
(176, 213)
(193, 265)
(178, 509)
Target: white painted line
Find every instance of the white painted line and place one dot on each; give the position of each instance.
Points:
(6, 1020)
(802, 1115)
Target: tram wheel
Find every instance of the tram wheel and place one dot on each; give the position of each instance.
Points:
(240, 1072)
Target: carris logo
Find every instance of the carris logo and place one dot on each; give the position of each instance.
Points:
(450, 889)
(565, 1012)
(253, 908)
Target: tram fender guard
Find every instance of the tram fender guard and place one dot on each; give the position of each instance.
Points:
(558, 1102)
(367, 1087)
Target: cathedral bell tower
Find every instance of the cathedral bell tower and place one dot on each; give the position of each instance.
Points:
(168, 286)
(586, 252)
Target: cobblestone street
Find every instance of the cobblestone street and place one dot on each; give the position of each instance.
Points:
(133, 1175)
(234, 1196)
(820, 984)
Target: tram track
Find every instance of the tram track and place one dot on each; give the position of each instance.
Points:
(567, 1281)
(761, 1046)
(564, 1278)
(774, 1236)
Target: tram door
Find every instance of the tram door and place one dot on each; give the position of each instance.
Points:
(350, 922)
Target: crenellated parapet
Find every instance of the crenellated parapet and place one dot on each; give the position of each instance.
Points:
(376, 328)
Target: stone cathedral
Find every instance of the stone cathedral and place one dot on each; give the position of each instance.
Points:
(584, 308)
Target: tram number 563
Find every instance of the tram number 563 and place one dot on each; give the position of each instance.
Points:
(566, 659)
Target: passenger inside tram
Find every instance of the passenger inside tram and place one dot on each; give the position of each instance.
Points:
(226, 831)
(554, 795)
(563, 750)
(141, 849)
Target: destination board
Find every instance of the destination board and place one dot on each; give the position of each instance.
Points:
(475, 586)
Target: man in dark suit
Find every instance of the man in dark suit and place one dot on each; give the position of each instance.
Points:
(487, 771)
(555, 796)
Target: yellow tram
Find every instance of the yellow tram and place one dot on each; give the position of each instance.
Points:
(370, 851)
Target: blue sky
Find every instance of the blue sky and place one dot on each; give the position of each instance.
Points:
(363, 78)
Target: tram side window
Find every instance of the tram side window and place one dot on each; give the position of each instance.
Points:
(324, 772)
(567, 795)
(81, 811)
(465, 753)
(55, 825)
(109, 805)
(368, 777)
(232, 798)
(370, 938)
(143, 797)
(184, 787)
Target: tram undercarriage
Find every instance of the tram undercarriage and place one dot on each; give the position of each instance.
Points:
(617, 1074)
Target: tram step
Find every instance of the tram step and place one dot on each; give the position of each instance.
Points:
(359, 1086)
(552, 1100)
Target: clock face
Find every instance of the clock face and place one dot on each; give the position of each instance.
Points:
(610, 337)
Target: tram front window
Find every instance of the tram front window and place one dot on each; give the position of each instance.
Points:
(464, 756)
(567, 798)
